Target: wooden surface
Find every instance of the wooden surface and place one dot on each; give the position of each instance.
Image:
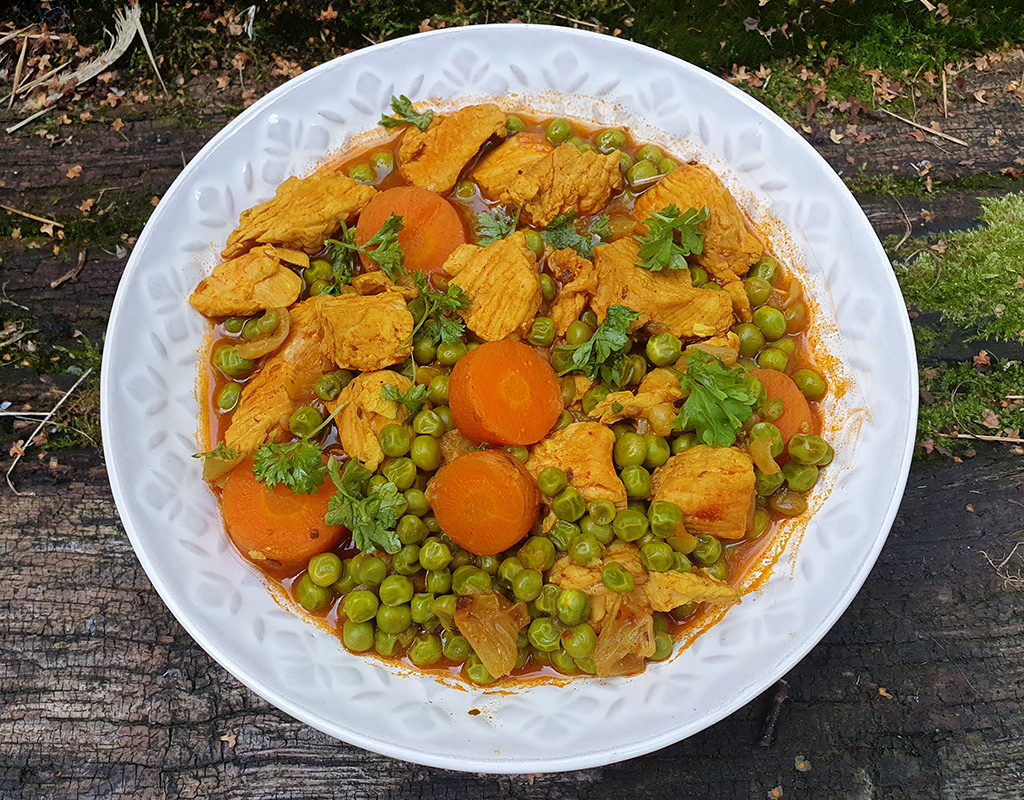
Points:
(918, 691)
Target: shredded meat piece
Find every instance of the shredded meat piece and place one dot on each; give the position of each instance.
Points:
(364, 332)
(376, 282)
(729, 245)
(714, 487)
(454, 444)
(497, 169)
(432, 159)
(726, 348)
(583, 451)
(564, 180)
(283, 384)
(503, 282)
(671, 589)
(579, 283)
(658, 389)
(241, 286)
(740, 302)
(302, 213)
(366, 413)
(666, 300)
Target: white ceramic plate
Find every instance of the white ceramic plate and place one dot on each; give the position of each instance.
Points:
(150, 410)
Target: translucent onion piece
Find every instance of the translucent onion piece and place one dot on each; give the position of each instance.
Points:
(491, 624)
(267, 344)
(760, 449)
(626, 640)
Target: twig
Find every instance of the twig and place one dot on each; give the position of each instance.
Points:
(14, 34)
(39, 427)
(145, 44)
(27, 120)
(71, 274)
(945, 96)
(982, 437)
(772, 720)
(595, 26)
(926, 129)
(1010, 580)
(5, 299)
(17, 70)
(906, 219)
(42, 79)
(25, 214)
(1014, 397)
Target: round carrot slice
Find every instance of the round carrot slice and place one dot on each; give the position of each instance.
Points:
(275, 528)
(796, 413)
(485, 501)
(504, 392)
(432, 227)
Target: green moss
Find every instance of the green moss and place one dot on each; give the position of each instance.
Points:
(959, 396)
(978, 282)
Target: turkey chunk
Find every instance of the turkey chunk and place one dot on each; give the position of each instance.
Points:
(564, 180)
(302, 213)
(497, 169)
(729, 245)
(714, 487)
(725, 348)
(503, 282)
(579, 283)
(432, 159)
(584, 452)
(366, 413)
(654, 401)
(364, 332)
(283, 384)
(567, 574)
(253, 282)
(666, 300)
(671, 589)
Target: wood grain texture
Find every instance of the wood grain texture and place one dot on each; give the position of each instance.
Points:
(104, 695)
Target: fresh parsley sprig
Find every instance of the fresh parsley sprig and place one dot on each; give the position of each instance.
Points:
(494, 226)
(341, 252)
(670, 238)
(299, 465)
(370, 513)
(604, 355)
(220, 453)
(413, 399)
(438, 322)
(562, 232)
(721, 399)
(407, 115)
(383, 248)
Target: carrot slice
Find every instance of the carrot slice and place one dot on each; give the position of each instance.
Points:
(485, 501)
(504, 392)
(432, 227)
(796, 415)
(278, 530)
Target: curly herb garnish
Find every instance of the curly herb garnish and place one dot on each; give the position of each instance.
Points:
(720, 399)
(604, 354)
(383, 248)
(407, 115)
(369, 512)
(670, 238)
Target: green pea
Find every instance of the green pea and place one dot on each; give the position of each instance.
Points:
(650, 152)
(788, 346)
(708, 550)
(663, 644)
(319, 269)
(416, 502)
(348, 581)
(456, 647)
(319, 287)
(558, 131)
(460, 557)
(382, 162)
(665, 518)
(630, 524)
(698, 277)
(658, 451)
(469, 579)
(617, 578)
(569, 504)
(719, 570)
(751, 339)
(393, 619)
(573, 607)
(603, 511)
(635, 369)
(796, 317)
(368, 570)
(420, 608)
(657, 556)
(305, 420)
(488, 564)
(444, 608)
(773, 358)
(311, 596)
(800, 477)
(445, 415)
(765, 430)
(585, 549)
(787, 503)
(423, 350)
(680, 563)
(360, 605)
(610, 139)
(641, 172)
(548, 287)
(534, 242)
(508, 569)
(551, 481)
(810, 383)
(425, 650)
(435, 555)
(526, 584)
(327, 386)
(394, 440)
(407, 560)
(425, 453)
(637, 481)
(518, 452)
(411, 530)
(251, 330)
(268, 323)
(542, 332)
(544, 635)
(514, 125)
(362, 173)
(385, 644)
(437, 391)
(664, 349)
(684, 441)
(772, 408)
(227, 360)
(597, 394)
(578, 333)
(357, 636)
(562, 533)
(806, 448)
(758, 290)
(465, 190)
(438, 581)
(401, 472)
(579, 641)
(603, 533)
(761, 522)
(427, 422)
(764, 484)
(771, 322)
(324, 569)
(234, 325)
(766, 268)
(537, 552)
(630, 450)
(564, 419)
(667, 165)
(228, 397)
(477, 672)
(448, 353)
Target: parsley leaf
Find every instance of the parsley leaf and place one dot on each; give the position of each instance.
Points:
(436, 322)
(382, 247)
(604, 355)
(220, 453)
(492, 227)
(413, 399)
(370, 514)
(659, 247)
(407, 115)
(721, 399)
(561, 232)
(298, 465)
(341, 253)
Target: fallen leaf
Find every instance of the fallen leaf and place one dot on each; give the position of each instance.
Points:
(117, 124)
(970, 508)
(980, 96)
(884, 693)
(989, 419)
(47, 228)
(223, 82)
(74, 172)
(916, 134)
(85, 116)
(328, 14)
(154, 201)
(982, 359)
(835, 137)
(928, 445)
(939, 247)
(87, 204)
(801, 764)
(230, 738)
(775, 793)
(16, 448)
